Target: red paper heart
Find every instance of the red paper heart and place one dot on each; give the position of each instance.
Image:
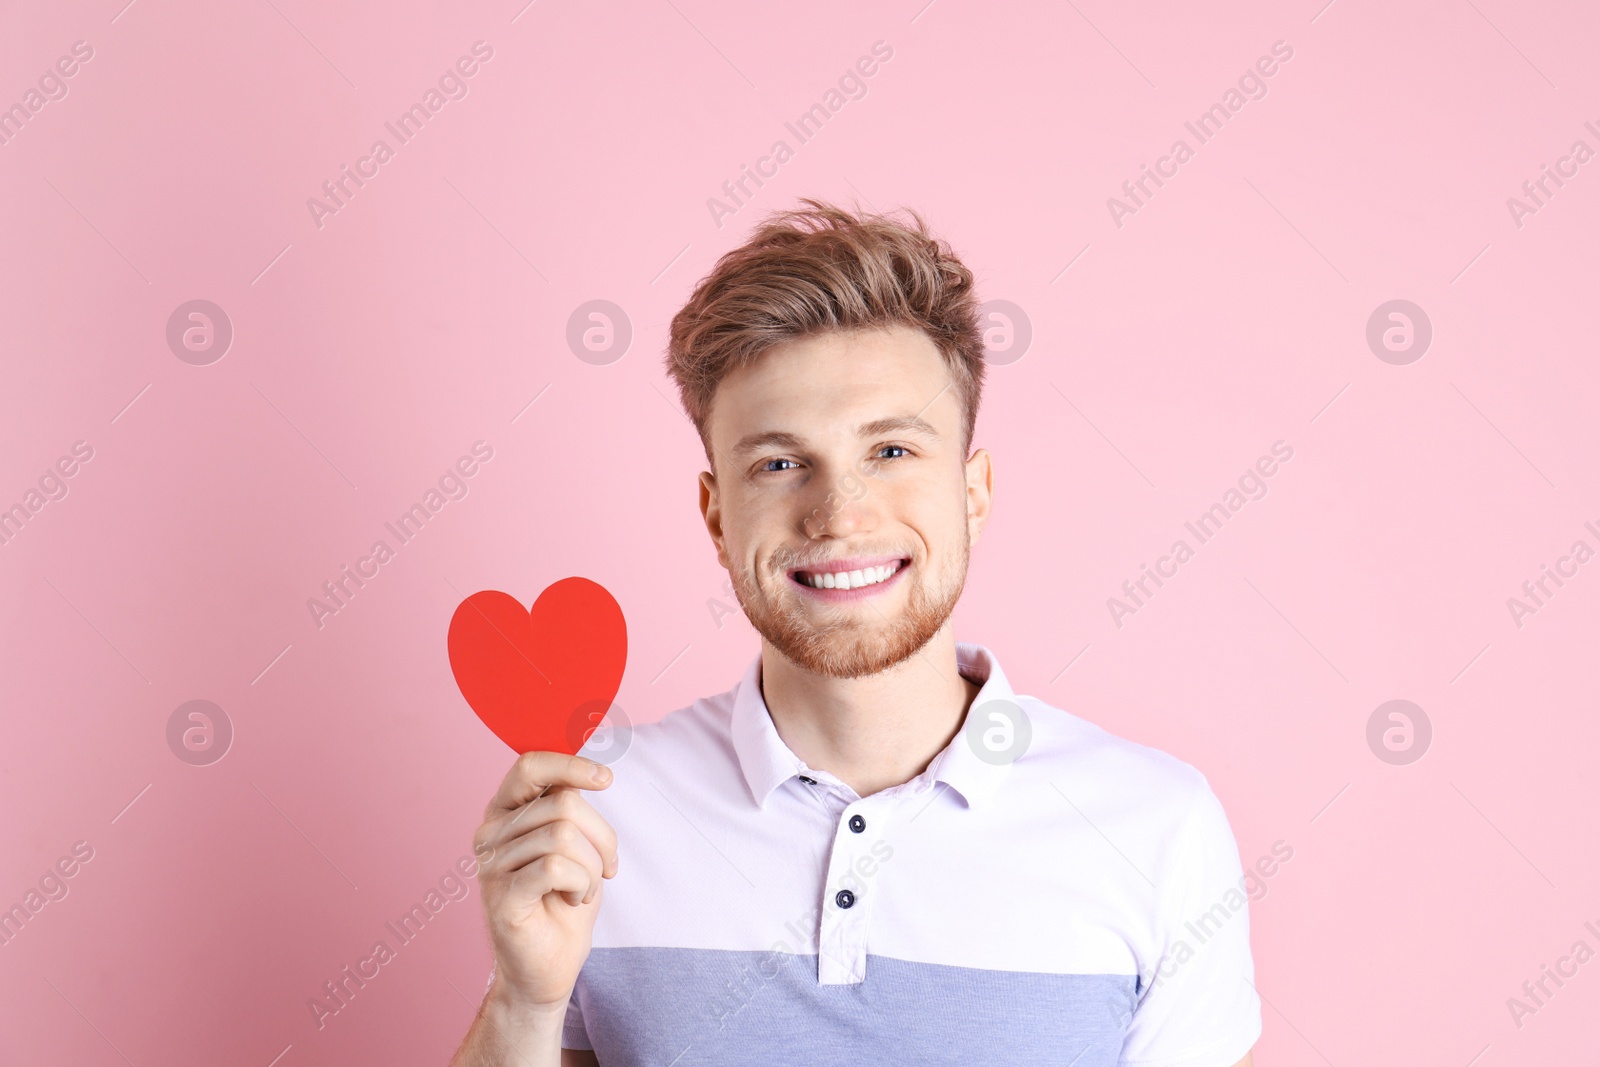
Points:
(543, 678)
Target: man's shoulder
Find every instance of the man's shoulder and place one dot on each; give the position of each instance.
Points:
(689, 738)
(1082, 757)
(706, 719)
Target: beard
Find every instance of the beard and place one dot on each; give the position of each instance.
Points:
(853, 640)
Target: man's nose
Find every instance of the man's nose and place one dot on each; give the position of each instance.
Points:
(838, 506)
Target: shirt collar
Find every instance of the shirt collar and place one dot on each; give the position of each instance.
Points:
(767, 762)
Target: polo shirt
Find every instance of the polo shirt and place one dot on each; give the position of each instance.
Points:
(1075, 899)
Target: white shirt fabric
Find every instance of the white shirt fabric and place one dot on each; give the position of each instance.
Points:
(1082, 899)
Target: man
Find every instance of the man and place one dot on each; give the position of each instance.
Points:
(870, 850)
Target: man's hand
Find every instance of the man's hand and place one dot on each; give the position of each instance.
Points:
(549, 852)
(541, 886)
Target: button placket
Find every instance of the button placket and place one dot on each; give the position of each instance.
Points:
(848, 896)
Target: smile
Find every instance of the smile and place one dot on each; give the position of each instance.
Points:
(850, 575)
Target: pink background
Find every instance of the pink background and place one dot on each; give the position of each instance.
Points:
(1228, 313)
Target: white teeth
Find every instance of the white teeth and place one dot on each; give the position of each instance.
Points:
(850, 579)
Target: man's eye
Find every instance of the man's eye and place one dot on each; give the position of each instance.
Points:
(768, 465)
(888, 448)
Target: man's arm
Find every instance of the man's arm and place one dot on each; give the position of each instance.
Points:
(503, 1033)
(549, 852)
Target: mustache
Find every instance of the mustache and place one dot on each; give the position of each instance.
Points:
(785, 565)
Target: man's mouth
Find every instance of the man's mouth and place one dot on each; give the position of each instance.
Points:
(850, 574)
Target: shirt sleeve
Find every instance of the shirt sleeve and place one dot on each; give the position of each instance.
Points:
(574, 1034)
(1198, 1005)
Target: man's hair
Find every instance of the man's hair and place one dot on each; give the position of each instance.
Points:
(820, 268)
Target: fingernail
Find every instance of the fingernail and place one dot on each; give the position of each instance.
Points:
(600, 772)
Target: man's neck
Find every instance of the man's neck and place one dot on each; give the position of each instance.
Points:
(875, 731)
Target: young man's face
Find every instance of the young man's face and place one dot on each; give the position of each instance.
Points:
(843, 450)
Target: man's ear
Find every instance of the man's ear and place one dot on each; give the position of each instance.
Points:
(980, 492)
(711, 512)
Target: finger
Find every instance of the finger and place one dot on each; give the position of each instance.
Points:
(553, 873)
(534, 772)
(561, 803)
(561, 838)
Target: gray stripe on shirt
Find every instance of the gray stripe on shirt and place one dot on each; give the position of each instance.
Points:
(715, 1008)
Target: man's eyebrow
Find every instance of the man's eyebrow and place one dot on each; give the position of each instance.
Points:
(912, 424)
(757, 441)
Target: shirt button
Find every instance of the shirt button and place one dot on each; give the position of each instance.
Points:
(857, 824)
(845, 899)
(808, 781)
